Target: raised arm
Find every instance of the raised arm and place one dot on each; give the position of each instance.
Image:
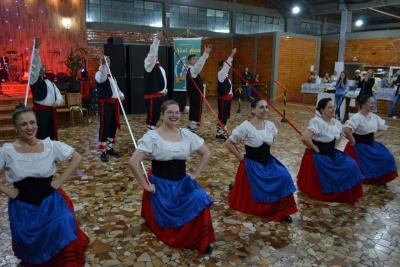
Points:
(151, 59)
(134, 164)
(36, 63)
(196, 69)
(101, 74)
(205, 155)
(227, 65)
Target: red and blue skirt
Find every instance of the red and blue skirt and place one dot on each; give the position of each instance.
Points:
(333, 178)
(179, 213)
(375, 161)
(263, 189)
(47, 234)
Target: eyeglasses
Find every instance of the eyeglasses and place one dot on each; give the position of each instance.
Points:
(263, 107)
(171, 113)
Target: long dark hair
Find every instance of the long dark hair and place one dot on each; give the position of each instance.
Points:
(323, 103)
(344, 80)
(19, 110)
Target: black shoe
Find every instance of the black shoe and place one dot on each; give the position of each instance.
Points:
(288, 219)
(209, 249)
(193, 130)
(221, 137)
(230, 186)
(103, 157)
(111, 152)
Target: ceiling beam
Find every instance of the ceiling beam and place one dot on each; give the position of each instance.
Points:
(373, 4)
(384, 13)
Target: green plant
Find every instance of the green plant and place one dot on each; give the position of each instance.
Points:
(74, 61)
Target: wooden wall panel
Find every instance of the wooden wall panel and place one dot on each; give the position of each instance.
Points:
(377, 51)
(22, 20)
(264, 61)
(329, 55)
(296, 55)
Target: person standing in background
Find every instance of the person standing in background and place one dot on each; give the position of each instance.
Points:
(247, 79)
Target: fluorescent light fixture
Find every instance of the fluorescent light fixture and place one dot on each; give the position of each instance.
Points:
(156, 24)
(359, 23)
(296, 10)
(222, 30)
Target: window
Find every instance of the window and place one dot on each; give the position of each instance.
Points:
(199, 18)
(248, 24)
(125, 11)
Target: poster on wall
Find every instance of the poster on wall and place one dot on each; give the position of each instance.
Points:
(184, 47)
(392, 71)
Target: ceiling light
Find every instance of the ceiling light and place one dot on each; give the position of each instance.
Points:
(296, 10)
(359, 22)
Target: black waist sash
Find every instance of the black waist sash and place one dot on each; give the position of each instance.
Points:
(33, 190)
(260, 154)
(364, 138)
(169, 169)
(326, 148)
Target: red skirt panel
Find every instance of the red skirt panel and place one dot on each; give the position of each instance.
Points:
(349, 150)
(308, 183)
(73, 255)
(240, 198)
(196, 234)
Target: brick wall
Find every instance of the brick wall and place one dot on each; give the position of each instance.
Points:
(246, 47)
(296, 55)
(329, 55)
(264, 62)
(21, 21)
(377, 51)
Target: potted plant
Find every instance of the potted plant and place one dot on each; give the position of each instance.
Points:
(74, 63)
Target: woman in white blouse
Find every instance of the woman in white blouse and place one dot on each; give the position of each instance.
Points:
(263, 186)
(374, 159)
(174, 206)
(42, 219)
(326, 173)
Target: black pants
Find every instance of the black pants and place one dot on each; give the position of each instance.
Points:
(153, 107)
(224, 110)
(196, 104)
(45, 123)
(108, 123)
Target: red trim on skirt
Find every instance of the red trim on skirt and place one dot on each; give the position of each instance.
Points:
(241, 199)
(196, 234)
(37, 106)
(308, 183)
(73, 255)
(349, 150)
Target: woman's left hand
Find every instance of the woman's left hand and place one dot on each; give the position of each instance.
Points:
(55, 183)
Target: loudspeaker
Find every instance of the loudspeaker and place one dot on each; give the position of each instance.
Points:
(115, 40)
(118, 59)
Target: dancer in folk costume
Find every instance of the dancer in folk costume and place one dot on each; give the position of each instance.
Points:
(193, 84)
(225, 95)
(155, 83)
(108, 93)
(376, 162)
(326, 173)
(174, 206)
(263, 186)
(46, 97)
(43, 225)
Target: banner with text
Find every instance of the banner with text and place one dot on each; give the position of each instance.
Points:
(184, 47)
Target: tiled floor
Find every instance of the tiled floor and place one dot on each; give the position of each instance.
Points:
(107, 200)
